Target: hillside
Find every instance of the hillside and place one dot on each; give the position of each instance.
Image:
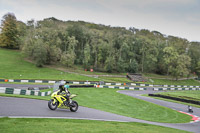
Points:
(105, 48)
(13, 66)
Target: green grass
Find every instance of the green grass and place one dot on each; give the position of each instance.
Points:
(109, 100)
(46, 90)
(173, 82)
(13, 66)
(174, 101)
(115, 79)
(81, 70)
(37, 125)
(153, 75)
(190, 95)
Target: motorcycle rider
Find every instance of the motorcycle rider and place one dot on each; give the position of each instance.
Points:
(65, 93)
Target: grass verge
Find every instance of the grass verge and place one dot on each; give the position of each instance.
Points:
(174, 82)
(169, 100)
(190, 95)
(110, 101)
(115, 79)
(157, 76)
(81, 70)
(37, 125)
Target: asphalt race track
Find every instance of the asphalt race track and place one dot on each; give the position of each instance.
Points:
(31, 108)
(193, 127)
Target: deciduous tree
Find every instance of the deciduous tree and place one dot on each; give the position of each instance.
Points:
(9, 37)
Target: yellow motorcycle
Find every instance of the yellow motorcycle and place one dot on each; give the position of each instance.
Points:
(60, 101)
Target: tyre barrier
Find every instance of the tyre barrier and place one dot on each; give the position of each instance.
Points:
(197, 78)
(83, 86)
(176, 98)
(23, 92)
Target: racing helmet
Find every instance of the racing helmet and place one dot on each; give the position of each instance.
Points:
(61, 86)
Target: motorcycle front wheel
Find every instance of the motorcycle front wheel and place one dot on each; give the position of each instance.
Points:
(51, 105)
(74, 108)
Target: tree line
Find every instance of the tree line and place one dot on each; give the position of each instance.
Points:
(103, 48)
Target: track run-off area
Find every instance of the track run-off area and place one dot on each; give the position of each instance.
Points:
(32, 108)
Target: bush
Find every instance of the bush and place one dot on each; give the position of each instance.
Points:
(40, 53)
(132, 67)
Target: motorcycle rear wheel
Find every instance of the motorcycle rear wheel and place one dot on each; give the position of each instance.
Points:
(51, 105)
(75, 106)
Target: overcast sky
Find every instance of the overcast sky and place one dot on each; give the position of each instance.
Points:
(179, 18)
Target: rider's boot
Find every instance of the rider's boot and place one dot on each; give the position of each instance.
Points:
(66, 103)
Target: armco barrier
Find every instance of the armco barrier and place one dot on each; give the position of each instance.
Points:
(90, 83)
(121, 87)
(174, 89)
(180, 87)
(45, 81)
(141, 88)
(23, 92)
(150, 85)
(176, 98)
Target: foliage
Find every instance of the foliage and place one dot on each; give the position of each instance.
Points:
(194, 54)
(9, 37)
(133, 66)
(178, 65)
(110, 64)
(87, 56)
(107, 49)
(181, 66)
(68, 57)
(198, 69)
(39, 53)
